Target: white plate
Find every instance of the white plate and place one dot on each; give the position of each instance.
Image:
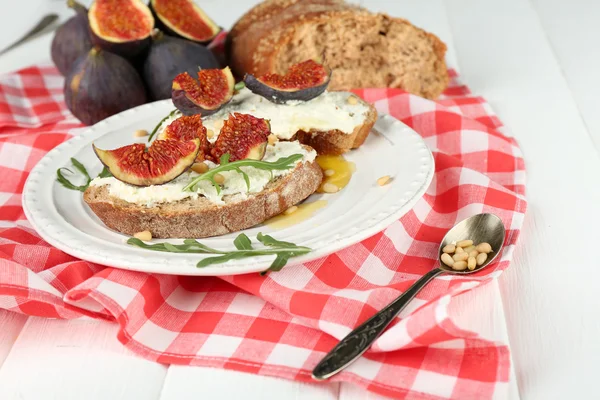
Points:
(358, 211)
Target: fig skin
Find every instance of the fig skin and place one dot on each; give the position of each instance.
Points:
(128, 49)
(168, 56)
(174, 32)
(72, 39)
(102, 84)
(280, 96)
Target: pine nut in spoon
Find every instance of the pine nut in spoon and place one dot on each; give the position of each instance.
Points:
(480, 228)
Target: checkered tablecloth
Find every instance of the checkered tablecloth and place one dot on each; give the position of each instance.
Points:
(283, 323)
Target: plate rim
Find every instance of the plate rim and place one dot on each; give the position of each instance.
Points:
(33, 184)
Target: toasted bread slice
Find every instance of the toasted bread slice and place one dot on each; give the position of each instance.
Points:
(338, 142)
(198, 218)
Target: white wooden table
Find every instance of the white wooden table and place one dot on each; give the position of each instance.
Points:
(537, 63)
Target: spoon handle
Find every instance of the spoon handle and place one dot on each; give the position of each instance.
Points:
(360, 339)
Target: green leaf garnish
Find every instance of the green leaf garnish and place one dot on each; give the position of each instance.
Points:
(160, 123)
(242, 242)
(239, 86)
(280, 164)
(60, 177)
(282, 251)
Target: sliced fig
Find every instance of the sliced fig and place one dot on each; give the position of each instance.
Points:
(121, 26)
(72, 39)
(101, 84)
(189, 128)
(303, 81)
(167, 57)
(185, 19)
(242, 136)
(162, 162)
(212, 90)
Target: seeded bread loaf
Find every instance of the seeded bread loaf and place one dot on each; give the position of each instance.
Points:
(363, 49)
(198, 218)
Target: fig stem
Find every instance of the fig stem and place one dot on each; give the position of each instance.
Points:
(157, 34)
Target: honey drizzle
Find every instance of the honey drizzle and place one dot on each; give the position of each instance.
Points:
(342, 171)
(304, 212)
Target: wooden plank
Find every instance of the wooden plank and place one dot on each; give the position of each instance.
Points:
(76, 359)
(572, 30)
(11, 324)
(551, 311)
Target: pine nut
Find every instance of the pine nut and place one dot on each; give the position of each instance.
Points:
(210, 133)
(140, 133)
(473, 253)
(200, 168)
(447, 259)
(464, 243)
(459, 266)
(290, 210)
(481, 257)
(449, 248)
(352, 100)
(330, 188)
(272, 139)
(459, 250)
(469, 249)
(460, 256)
(329, 172)
(383, 180)
(484, 248)
(471, 263)
(219, 179)
(145, 235)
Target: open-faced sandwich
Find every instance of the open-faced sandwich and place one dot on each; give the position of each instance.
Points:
(228, 161)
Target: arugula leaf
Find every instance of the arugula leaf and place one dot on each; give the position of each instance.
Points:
(242, 242)
(105, 173)
(224, 160)
(79, 167)
(282, 251)
(277, 264)
(66, 183)
(270, 241)
(160, 123)
(280, 164)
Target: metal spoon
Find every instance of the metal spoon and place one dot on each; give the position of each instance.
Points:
(46, 21)
(479, 228)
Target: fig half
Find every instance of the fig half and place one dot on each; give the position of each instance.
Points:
(242, 136)
(121, 26)
(303, 82)
(212, 90)
(72, 39)
(167, 57)
(101, 84)
(162, 162)
(188, 128)
(185, 19)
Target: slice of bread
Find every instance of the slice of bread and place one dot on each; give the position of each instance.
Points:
(335, 141)
(198, 218)
(363, 49)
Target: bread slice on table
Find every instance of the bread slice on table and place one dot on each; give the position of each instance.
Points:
(199, 218)
(363, 49)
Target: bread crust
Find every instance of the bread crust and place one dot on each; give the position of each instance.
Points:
(201, 218)
(259, 38)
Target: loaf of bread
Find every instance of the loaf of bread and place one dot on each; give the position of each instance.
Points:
(363, 49)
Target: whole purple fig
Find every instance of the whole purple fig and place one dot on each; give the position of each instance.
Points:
(170, 56)
(101, 84)
(72, 39)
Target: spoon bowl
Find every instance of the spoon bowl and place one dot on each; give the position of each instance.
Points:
(479, 228)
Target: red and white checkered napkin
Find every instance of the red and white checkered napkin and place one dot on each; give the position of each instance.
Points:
(283, 323)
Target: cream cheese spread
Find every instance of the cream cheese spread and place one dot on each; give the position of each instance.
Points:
(234, 184)
(328, 111)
